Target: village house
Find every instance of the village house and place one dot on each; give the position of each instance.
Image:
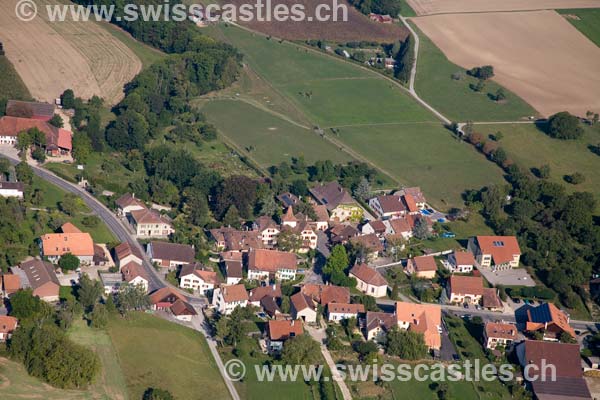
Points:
(183, 311)
(491, 300)
(227, 298)
(232, 240)
(128, 203)
(54, 245)
(288, 199)
(337, 312)
(7, 327)
(164, 298)
(389, 63)
(268, 230)
(326, 294)
(460, 262)
(388, 206)
(369, 280)
(416, 194)
(12, 189)
(271, 264)
(233, 271)
(170, 255)
(322, 220)
(340, 205)
(197, 279)
(377, 227)
(281, 330)
(10, 285)
(126, 253)
(564, 380)
(377, 324)
(382, 19)
(421, 318)
(499, 334)
(150, 224)
(40, 277)
(465, 289)
(135, 274)
(303, 307)
(30, 109)
(422, 267)
(58, 140)
(549, 320)
(258, 293)
(402, 227)
(370, 245)
(111, 282)
(341, 233)
(496, 252)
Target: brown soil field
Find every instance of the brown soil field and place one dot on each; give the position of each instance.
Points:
(537, 55)
(51, 57)
(428, 7)
(358, 26)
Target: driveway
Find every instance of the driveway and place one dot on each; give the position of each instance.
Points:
(510, 277)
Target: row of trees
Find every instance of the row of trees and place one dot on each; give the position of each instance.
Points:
(384, 7)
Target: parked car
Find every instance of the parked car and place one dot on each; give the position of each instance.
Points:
(448, 235)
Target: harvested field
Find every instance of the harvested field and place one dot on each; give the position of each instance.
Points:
(358, 26)
(51, 57)
(537, 55)
(429, 7)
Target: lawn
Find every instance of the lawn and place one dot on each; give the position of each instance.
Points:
(373, 118)
(11, 84)
(454, 98)
(587, 21)
(268, 137)
(147, 55)
(424, 155)
(158, 353)
(110, 384)
(530, 148)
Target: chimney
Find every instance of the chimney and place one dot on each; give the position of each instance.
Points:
(274, 286)
(292, 323)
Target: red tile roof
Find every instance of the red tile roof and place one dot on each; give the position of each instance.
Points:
(57, 244)
(68, 227)
(12, 126)
(502, 248)
(7, 324)
(165, 295)
(258, 293)
(565, 357)
(346, 308)
(129, 199)
(464, 258)
(409, 200)
(500, 330)
(368, 275)
(283, 330)
(148, 217)
(331, 195)
(370, 242)
(173, 252)
(391, 204)
(466, 285)
(422, 318)
(132, 270)
(234, 293)
(325, 294)
(180, 307)
(300, 301)
(548, 313)
(271, 260)
(424, 263)
(11, 283)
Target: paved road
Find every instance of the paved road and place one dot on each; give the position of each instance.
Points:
(116, 226)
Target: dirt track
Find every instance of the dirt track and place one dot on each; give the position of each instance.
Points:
(51, 57)
(538, 55)
(428, 7)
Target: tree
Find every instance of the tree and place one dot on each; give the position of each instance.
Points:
(500, 95)
(99, 317)
(24, 305)
(57, 121)
(300, 350)
(394, 293)
(483, 73)
(232, 217)
(157, 394)
(236, 190)
(366, 350)
(70, 204)
(564, 126)
(132, 298)
(335, 266)
(89, 291)
(67, 99)
(24, 141)
(68, 262)
(299, 187)
(421, 229)
(39, 155)
(363, 189)
(4, 167)
(82, 147)
(479, 86)
(290, 241)
(267, 205)
(543, 172)
(404, 60)
(407, 345)
(565, 337)
(575, 178)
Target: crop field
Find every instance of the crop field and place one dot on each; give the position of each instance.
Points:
(158, 353)
(11, 85)
(523, 48)
(454, 98)
(370, 117)
(531, 148)
(357, 27)
(51, 57)
(586, 20)
(428, 7)
(267, 138)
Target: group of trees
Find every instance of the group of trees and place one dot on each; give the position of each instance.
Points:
(404, 59)
(384, 7)
(336, 267)
(564, 125)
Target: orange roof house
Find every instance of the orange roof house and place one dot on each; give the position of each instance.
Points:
(548, 319)
(164, 298)
(421, 318)
(271, 263)
(496, 252)
(369, 280)
(55, 245)
(325, 294)
(40, 276)
(68, 227)
(281, 330)
(7, 327)
(57, 139)
(10, 284)
(422, 267)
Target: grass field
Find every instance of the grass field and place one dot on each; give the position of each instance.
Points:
(11, 84)
(157, 353)
(586, 20)
(454, 98)
(110, 383)
(531, 148)
(374, 120)
(271, 137)
(147, 55)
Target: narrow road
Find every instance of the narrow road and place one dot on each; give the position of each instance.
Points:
(319, 335)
